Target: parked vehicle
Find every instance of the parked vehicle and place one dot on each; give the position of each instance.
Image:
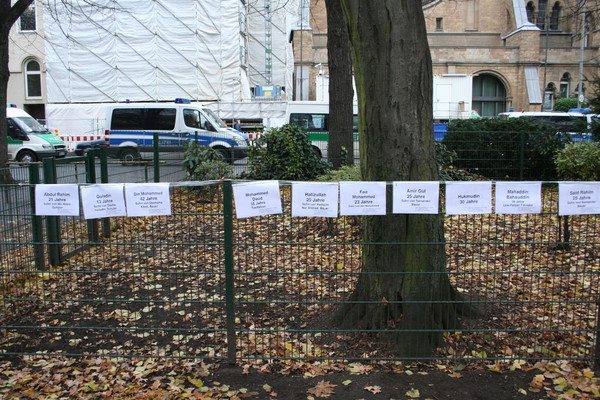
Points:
(83, 148)
(313, 117)
(577, 123)
(30, 141)
(131, 128)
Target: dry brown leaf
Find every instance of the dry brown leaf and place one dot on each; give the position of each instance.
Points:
(322, 389)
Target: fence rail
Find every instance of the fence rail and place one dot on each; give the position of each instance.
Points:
(201, 283)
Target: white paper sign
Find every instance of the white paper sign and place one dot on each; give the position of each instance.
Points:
(518, 197)
(416, 197)
(315, 199)
(147, 199)
(57, 200)
(578, 198)
(468, 198)
(257, 198)
(362, 198)
(103, 201)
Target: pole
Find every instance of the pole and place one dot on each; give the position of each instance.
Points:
(580, 97)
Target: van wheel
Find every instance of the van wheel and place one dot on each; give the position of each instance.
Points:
(317, 151)
(226, 154)
(129, 156)
(26, 156)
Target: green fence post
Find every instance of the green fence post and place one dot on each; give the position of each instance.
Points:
(229, 277)
(37, 229)
(52, 223)
(156, 159)
(521, 155)
(90, 177)
(104, 179)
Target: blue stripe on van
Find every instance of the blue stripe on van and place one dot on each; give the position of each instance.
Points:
(144, 138)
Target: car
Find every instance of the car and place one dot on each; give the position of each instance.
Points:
(83, 148)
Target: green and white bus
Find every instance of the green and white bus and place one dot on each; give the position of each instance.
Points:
(313, 116)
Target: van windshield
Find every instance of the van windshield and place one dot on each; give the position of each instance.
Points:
(29, 125)
(214, 118)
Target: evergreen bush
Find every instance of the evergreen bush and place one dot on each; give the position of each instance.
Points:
(504, 148)
(579, 161)
(284, 153)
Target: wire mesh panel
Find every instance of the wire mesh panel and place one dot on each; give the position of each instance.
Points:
(202, 283)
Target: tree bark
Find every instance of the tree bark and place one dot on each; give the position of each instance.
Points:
(404, 283)
(8, 16)
(341, 93)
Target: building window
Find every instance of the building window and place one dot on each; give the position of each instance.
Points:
(530, 9)
(555, 17)
(33, 79)
(549, 97)
(489, 95)
(27, 19)
(541, 17)
(565, 85)
(439, 24)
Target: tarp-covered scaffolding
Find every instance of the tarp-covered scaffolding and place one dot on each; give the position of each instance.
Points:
(139, 50)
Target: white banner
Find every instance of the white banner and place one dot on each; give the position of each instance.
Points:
(57, 200)
(147, 199)
(578, 198)
(468, 198)
(518, 197)
(257, 198)
(362, 198)
(416, 197)
(103, 201)
(315, 199)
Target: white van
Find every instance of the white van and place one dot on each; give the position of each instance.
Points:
(30, 141)
(577, 123)
(130, 129)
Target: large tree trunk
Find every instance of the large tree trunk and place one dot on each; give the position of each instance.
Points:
(341, 93)
(404, 284)
(8, 16)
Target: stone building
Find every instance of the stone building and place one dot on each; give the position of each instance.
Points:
(27, 83)
(521, 54)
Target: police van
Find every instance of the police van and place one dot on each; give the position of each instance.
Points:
(576, 123)
(30, 141)
(131, 128)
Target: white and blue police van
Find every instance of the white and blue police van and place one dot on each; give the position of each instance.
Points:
(131, 128)
(577, 123)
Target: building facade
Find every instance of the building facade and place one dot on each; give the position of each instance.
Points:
(27, 83)
(521, 54)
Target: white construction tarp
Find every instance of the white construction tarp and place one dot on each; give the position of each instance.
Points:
(143, 50)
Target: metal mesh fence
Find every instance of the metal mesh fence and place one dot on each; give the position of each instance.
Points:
(201, 283)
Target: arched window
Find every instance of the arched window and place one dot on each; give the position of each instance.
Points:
(489, 95)
(565, 85)
(33, 79)
(541, 17)
(530, 9)
(549, 97)
(554, 17)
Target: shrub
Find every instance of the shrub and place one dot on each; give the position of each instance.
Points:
(284, 153)
(579, 161)
(203, 163)
(504, 148)
(565, 104)
(345, 173)
(447, 171)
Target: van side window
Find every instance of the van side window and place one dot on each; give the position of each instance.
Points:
(130, 119)
(13, 131)
(160, 119)
(143, 119)
(192, 118)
